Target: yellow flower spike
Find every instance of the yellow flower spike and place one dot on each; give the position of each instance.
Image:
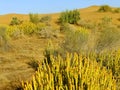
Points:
(34, 83)
(85, 71)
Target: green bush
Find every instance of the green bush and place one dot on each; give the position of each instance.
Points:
(69, 17)
(15, 21)
(105, 8)
(34, 18)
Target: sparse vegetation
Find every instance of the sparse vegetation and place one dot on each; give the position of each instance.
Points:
(92, 47)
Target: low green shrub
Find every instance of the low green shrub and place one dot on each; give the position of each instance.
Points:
(15, 21)
(105, 8)
(34, 18)
(69, 17)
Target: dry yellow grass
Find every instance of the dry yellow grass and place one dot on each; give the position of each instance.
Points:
(14, 65)
(92, 15)
(5, 19)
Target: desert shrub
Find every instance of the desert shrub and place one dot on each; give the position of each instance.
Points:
(66, 27)
(34, 18)
(15, 21)
(105, 8)
(39, 27)
(86, 24)
(48, 32)
(108, 39)
(14, 32)
(10, 30)
(105, 22)
(117, 10)
(69, 17)
(27, 28)
(75, 41)
(4, 44)
(46, 20)
(72, 73)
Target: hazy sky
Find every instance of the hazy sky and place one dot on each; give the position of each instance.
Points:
(49, 6)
